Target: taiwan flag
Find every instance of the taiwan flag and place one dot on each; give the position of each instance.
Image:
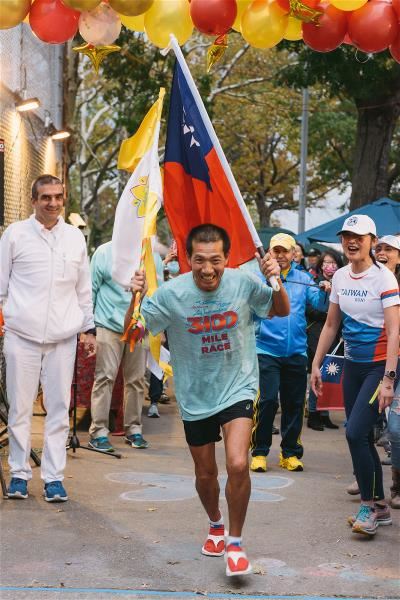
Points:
(198, 187)
(332, 377)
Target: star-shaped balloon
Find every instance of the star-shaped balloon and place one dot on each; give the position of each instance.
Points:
(304, 13)
(216, 51)
(96, 53)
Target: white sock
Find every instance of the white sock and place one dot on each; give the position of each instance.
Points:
(237, 541)
(217, 523)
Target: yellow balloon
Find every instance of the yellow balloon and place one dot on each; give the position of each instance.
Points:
(81, 4)
(264, 23)
(133, 23)
(165, 17)
(348, 4)
(131, 8)
(241, 7)
(293, 31)
(13, 12)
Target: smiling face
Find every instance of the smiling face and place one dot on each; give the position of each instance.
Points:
(283, 256)
(49, 203)
(387, 255)
(298, 254)
(208, 263)
(357, 247)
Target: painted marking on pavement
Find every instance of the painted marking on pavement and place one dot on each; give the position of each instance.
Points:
(165, 487)
(166, 594)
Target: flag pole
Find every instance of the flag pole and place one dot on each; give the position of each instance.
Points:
(218, 148)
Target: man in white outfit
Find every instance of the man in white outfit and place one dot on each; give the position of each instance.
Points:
(46, 298)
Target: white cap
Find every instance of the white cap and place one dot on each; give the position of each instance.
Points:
(390, 240)
(359, 224)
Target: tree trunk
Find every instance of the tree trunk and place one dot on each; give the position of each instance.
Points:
(375, 130)
(264, 211)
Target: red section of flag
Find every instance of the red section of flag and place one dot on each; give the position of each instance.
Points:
(332, 397)
(188, 202)
(196, 187)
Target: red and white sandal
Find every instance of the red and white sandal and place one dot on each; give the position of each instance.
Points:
(215, 542)
(236, 561)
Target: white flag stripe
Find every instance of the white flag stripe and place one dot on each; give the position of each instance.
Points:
(130, 215)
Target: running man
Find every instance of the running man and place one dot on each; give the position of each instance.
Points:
(208, 316)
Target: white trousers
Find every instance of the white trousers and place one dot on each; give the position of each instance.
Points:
(27, 363)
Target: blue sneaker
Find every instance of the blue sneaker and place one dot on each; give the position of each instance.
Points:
(136, 440)
(101, 443)
(18, 488)
(55, 492)
(366, 521)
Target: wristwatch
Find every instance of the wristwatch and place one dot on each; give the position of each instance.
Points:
(390, 375)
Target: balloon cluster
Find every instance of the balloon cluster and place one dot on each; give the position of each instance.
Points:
(369, 25)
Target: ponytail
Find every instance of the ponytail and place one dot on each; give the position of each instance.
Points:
(397, 274)
(372, 255)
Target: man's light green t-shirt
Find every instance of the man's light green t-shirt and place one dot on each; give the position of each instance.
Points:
(211, 339)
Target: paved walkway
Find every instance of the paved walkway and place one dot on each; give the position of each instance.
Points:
(134, 527)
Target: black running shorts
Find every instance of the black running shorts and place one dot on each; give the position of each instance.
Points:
(207, 431)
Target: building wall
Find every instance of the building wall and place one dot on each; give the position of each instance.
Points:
(26, 62)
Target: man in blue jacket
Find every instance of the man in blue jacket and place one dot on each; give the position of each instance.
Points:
(282, 359)
(110, 303)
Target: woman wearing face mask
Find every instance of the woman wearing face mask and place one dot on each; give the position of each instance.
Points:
(365, 298)
(327, 266)
(387, 252)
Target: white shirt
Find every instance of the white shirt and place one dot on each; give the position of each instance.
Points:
(362, 298)
(45, 286)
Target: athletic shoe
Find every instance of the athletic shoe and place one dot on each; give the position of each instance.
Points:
(18, 488)
(215, 542)
(153, 411)
(236, 561)
(164, 398)
(136, 440)
(55, 492)
(101, 443)
(258, 464)
(353, 489)
(383, 516)
(291, 463)
(366, 521)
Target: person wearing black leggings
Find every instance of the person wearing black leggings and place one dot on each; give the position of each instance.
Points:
(365, 298)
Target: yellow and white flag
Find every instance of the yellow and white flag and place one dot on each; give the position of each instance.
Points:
(136, 213)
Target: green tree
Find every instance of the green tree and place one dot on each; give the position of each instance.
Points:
(259, 127)
(372, 84)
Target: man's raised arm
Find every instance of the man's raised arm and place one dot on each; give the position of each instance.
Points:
(280, 300)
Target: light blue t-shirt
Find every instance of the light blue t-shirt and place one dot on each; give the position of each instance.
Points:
(211, 339)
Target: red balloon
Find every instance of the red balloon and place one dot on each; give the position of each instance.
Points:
(373, 27)
(52, 21)
(347, 40)
(396, 6)
(213, 17)
(330, 31)
(395, 49)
